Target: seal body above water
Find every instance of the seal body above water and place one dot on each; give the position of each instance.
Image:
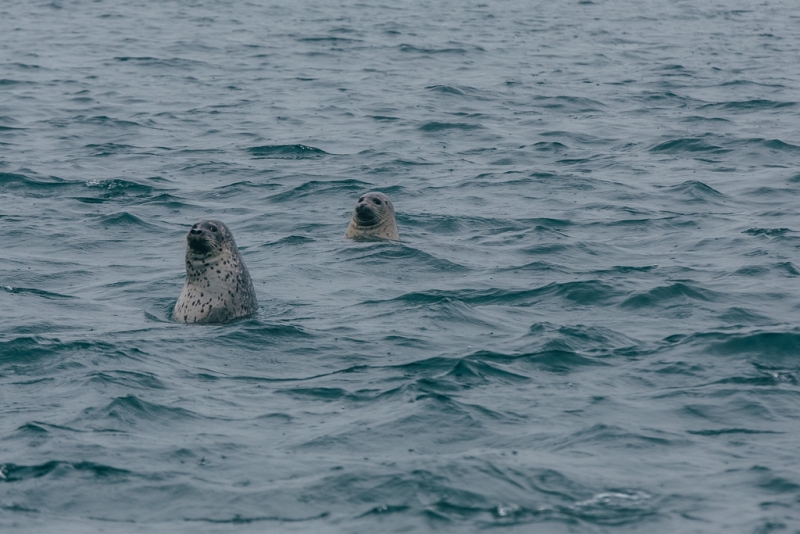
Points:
(373, 218)
(218, 287)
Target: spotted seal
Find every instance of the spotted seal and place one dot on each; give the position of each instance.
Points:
(373, 218)
(218, 287)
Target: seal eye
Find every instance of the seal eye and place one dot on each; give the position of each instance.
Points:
(377, 201)
(212, 228)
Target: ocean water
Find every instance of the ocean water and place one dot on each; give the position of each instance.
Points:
(590, 324)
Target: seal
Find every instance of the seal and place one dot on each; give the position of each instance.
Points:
(218, 287)
(373, 218)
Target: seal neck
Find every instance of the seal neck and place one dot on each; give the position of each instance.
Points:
(198, 264)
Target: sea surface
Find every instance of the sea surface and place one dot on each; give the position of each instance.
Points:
(591, 323)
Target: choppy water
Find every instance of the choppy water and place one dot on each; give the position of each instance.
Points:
(590, 325)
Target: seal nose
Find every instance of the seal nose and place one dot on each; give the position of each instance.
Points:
(195, 231)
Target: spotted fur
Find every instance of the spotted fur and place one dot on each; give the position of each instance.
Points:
(373, 218)
(218, 287)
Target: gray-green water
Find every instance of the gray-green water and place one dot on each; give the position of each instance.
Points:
(590, 324)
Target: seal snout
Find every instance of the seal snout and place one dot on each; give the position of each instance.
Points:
(365, 214)
(197, 243)
(198, 239)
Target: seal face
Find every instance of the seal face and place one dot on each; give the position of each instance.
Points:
(218, 287)
(373, 218)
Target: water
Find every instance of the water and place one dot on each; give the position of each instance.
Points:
(590, 324)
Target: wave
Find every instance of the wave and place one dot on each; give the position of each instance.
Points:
(750, 105)
(315, 187)
(170, 63)
(474, 370)
(550, 360)
(483, 364)
(767, 345)
(37, 292)
(118, 186)
(34, 351)
(771, 232)
(603, 435)
(15, 181)
(287, 152)
(384, 118)
(771, 353)
(124, 219)
(449, 90)
(290, 241)
(130, 410)
(103, 120)
(327, 394)
(537, 266)
(246, 520)
(587, 293)
(569, 104)
(663, 295)
(413, 258)
(101, 191)
(743, 316)
(11, 473)
(465, 496)
(110, 149)
(689, 144)
(329, 39)
(252, 333)
(587, 339)
(726, 431)
(8, 81)
(775, 144)
(553, 146)
(438, 126)
(244, 187)
(696, 191)
(428, 50)
(128, 379)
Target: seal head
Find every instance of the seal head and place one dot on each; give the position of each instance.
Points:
(218, 287)
(373, 218)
